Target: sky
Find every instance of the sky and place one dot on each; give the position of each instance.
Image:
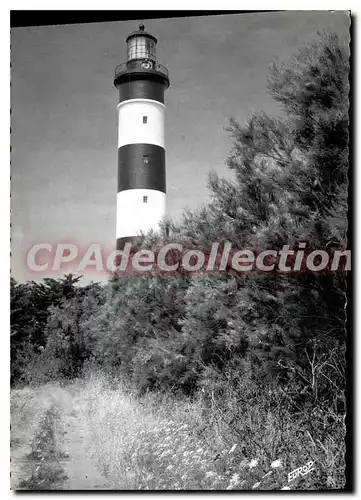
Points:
(64, 114)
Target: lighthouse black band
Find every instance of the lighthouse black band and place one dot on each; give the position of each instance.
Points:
(128, 239)
(141, 166)
(141, 88)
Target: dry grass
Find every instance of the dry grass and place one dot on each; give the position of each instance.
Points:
(46, 471)
(160, 443)
(139, 448)
(168, 445)
(25, 414)
(35, 450)
(27, 408)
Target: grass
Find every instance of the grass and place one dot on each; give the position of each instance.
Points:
(34, 440)
(164, 444)
(25, 414)
(158, 442)
(46, 471)
(138, 448)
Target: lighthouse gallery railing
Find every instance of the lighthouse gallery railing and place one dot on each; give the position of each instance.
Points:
(129, 67)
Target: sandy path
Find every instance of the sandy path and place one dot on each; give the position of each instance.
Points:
(81, 467)
(74, 439)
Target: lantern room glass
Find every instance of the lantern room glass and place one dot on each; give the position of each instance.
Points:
(141, 47)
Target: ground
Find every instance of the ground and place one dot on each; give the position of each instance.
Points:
(94, 434)
(72, 435)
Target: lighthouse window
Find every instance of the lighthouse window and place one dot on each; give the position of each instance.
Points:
(145, 199)
(145, 119)
(141, 47)
(145, 158)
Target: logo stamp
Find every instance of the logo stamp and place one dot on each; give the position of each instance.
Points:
(306, 469)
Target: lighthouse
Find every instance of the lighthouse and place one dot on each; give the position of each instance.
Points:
(141, 195)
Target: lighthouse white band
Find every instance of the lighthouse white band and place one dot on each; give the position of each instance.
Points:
(141, 121)
(134, 214)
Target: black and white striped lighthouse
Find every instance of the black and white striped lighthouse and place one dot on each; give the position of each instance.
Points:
(141, 81)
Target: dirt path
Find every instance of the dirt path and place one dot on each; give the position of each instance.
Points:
(73, 439)
(81, 467)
